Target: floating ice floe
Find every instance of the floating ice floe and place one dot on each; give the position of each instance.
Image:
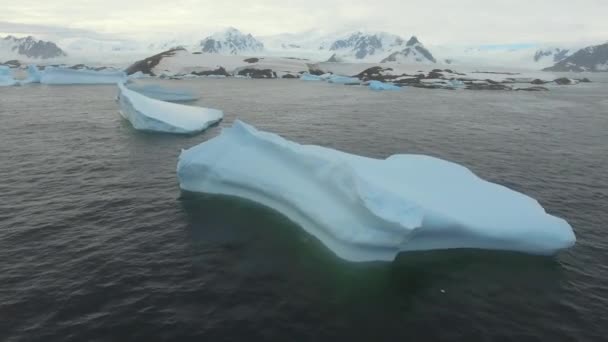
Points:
(6, 77)
(344, 80)
(377, 85)
(366, 209)
(60, 75)
(309, 77)
(147, 114)
(163, 93)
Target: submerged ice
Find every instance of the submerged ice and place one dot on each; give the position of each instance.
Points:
(366, 209)
(152, 115)
(163, 93)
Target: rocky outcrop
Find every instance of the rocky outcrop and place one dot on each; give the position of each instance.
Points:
(146, 65)
(257, 73)
(217, 72)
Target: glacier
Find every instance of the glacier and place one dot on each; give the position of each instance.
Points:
(377, 85)
(6, 77)
(61, 75)
(163, 93)
(147, 114)
(366, 209)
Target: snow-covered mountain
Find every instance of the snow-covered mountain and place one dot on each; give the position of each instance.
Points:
(553, 54)
(362, 46)
(414, 52)
(231, 42)
(592, 58)
(29, 47)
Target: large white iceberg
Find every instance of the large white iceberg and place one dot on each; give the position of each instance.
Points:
(61, 75)
(366, 209)
(163, 93)
(6, 77)
(152, 115)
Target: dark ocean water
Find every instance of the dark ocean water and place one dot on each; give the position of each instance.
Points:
(98, 244)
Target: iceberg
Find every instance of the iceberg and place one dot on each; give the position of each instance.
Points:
(366, 209)
(344, 80)
(6, 77)
(33, 75)
(163, 93)
(309, 77)
(60, 75)
(377, 85)
(147, 114)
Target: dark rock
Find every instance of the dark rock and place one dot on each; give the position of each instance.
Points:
(435, 74)
(13, 63)
(333, 59)
(486, 86)
(197, 53)
(252, 60)
(539, 81)
(289, 76)
(376, 73)
(146, 65)
(533, 89)
(584, 80)
(78, 67)
(257, 73)
(315, 71)
(563, 81)
(217, 72)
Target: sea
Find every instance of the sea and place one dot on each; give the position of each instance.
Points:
(98, 243)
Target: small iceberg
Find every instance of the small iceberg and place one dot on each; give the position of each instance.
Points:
(310, 77)
(147, 114)
(344, 80)
(366, 209)
(6, 77)
(163, 93)
(61, 75)
(377, 85)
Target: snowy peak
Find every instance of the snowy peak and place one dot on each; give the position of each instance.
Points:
(360, 45)
(413, 41)
(592, 58)
(414, 52)
(231, 42)
(30, 47)
(555, 54)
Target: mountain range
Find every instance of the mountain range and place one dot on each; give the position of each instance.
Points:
(358, 46)
(30, 47)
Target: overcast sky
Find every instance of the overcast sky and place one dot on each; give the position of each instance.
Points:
(434, 21)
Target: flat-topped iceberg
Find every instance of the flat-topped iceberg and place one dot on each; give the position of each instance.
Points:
(6, 77)
(61, 75)
(343, 80)
(163, 93)
(310, 77)
(366, 209)
(152, 115)
(377, 85)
